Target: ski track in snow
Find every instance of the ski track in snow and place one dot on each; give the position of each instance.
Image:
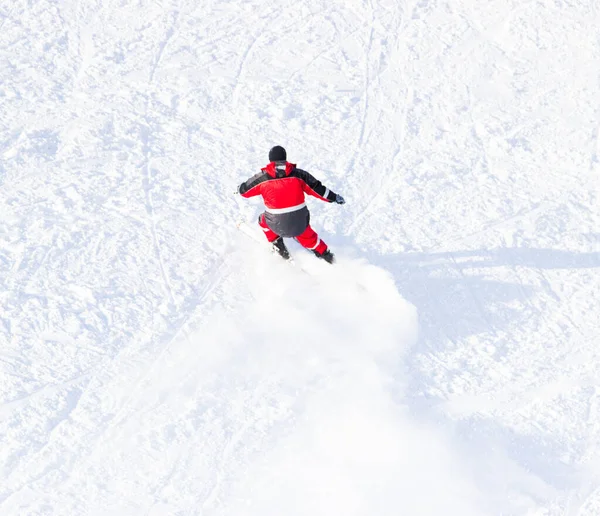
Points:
(155, 360)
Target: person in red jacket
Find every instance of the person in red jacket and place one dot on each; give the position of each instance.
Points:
(282, 186)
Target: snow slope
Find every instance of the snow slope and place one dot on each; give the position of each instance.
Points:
(155, 360)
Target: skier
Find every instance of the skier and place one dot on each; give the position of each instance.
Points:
(282, 187)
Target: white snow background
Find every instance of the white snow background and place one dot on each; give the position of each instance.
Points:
(155, 360)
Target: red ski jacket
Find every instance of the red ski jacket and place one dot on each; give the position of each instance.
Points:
(283, 186)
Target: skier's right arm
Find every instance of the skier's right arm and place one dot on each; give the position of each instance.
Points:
(312, 186)
(252, 187)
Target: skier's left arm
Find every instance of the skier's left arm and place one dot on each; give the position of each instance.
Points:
(312, 186)
(252, 187)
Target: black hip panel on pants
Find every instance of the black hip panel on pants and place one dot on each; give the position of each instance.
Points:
(290, 224)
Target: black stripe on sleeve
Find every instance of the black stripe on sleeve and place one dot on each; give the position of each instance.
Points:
(255, 180)
(315, 185)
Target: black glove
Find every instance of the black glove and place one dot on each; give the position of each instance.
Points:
(339, 199)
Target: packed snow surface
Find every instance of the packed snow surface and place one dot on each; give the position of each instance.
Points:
(156, 360)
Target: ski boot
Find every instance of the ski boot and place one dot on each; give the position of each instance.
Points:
(327, 255)
(279, 246)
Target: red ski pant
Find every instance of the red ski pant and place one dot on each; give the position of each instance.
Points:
(308, 238)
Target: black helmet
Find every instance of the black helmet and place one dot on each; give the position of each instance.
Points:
(277, 153)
